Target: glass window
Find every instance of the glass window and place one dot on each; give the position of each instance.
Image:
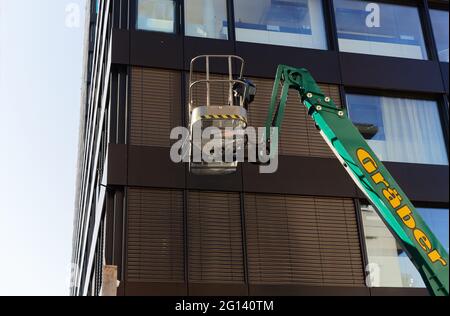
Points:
(379, 29)
(439, 19)
(156, 15)
(407, 130)
(206, 18)
(297, 23)
(389, 264)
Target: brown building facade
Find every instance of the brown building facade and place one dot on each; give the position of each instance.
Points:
(304, 230)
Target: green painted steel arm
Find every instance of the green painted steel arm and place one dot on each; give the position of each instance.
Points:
(392, 204)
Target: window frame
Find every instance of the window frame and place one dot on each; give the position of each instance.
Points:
(328, 19)
(442, 107)
(430, 47)
(230, 26)
(429, 22)
(362, 234)
(178, 16)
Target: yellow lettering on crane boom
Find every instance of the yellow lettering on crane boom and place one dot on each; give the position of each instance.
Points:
(393, 197)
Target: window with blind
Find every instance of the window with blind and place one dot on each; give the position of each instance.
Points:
(408, 130)
(155, 242)
(303, 240)
(289, 239)
(215, 238)
(155, 106)
(156, 15)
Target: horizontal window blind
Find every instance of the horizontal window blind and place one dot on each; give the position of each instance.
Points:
(215, 238)
(302, 240)
(155, 106)
(155, 241)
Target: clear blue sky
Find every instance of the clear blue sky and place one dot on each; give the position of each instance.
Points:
(40, 80)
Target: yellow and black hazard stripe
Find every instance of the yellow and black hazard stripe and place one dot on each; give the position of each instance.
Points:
(224, 117)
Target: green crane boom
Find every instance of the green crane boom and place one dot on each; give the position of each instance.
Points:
(375, 181)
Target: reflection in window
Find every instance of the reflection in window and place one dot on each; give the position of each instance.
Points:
(156, 15)
(379, 29)
(389, 265)
(206, 18)
(407, 130)
(439, 19)
(297, 23)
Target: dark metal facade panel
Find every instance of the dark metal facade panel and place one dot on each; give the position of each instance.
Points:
(424, 183)
(215, 238)
(120, 52)
(155, 239)
(152, 167)
(398, 292)
(154, 49)
(154, 289)
(262, 60)
(117, 162)
(302, 240)
(304, 290)
(231, 182)
(390, 73)
(217, 289)
(301, 175)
